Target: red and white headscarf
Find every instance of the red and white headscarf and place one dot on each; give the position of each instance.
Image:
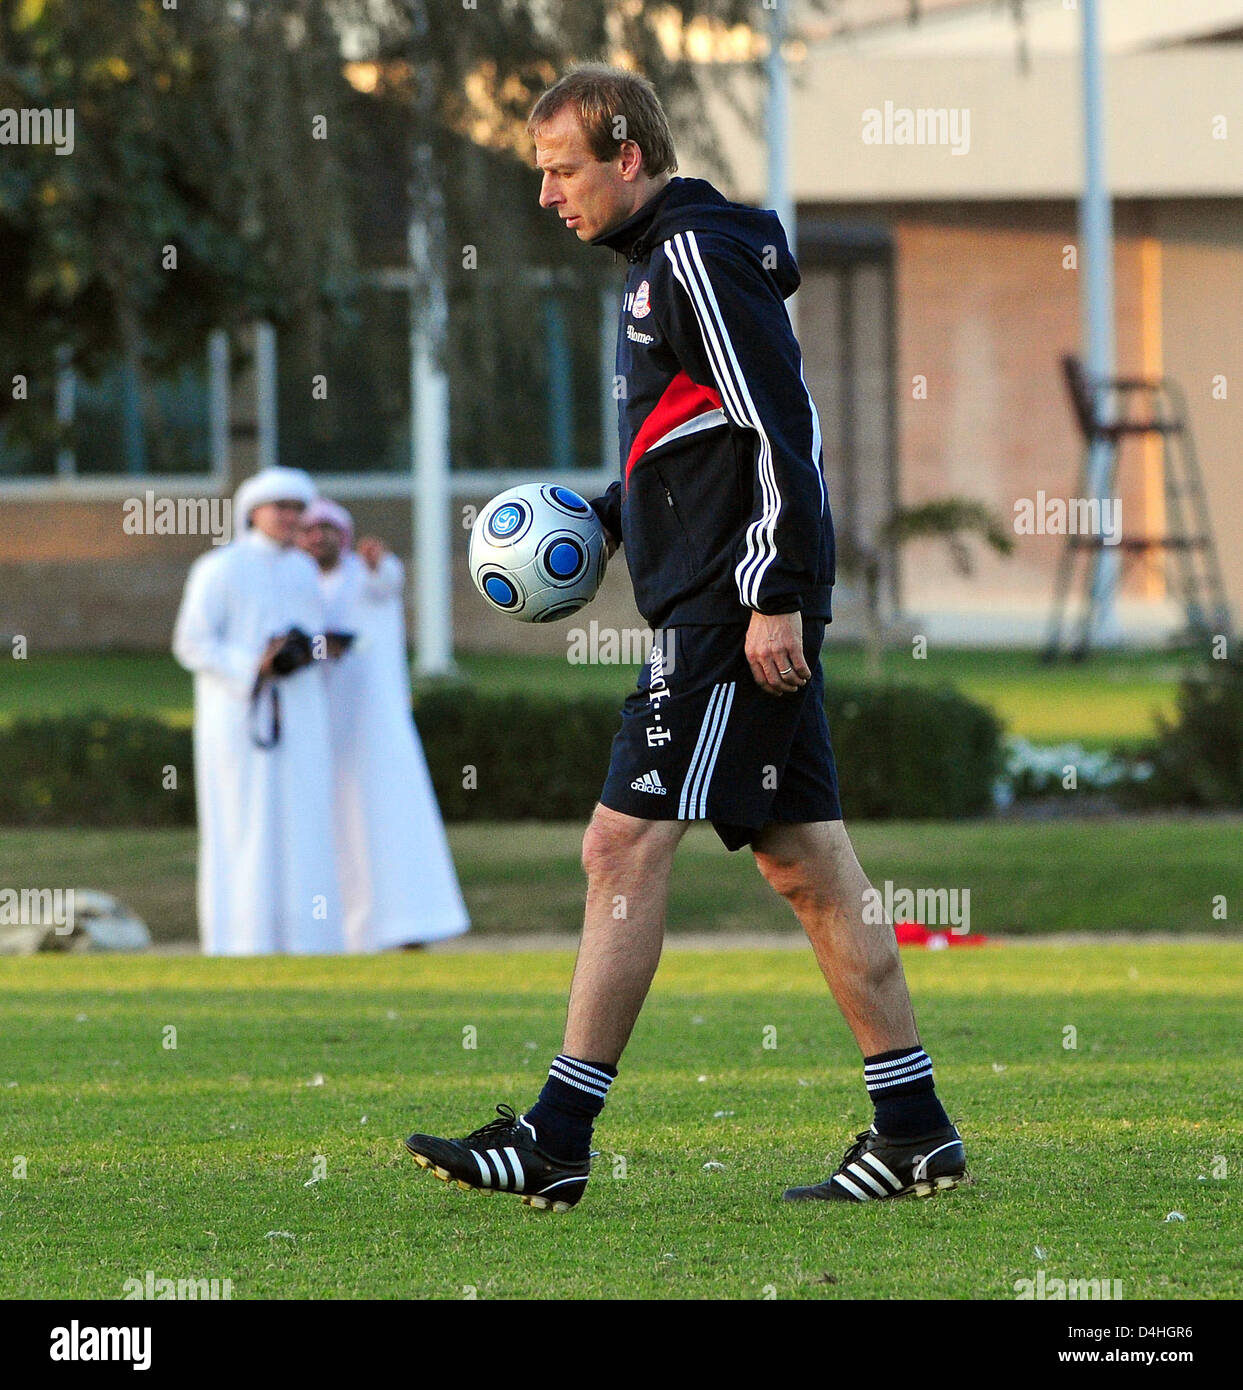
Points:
(321, 511)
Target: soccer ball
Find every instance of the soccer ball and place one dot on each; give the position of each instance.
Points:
(538, 553)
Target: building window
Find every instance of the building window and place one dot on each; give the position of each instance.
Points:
(114, 426)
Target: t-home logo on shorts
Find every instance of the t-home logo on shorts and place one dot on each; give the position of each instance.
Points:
(38, 126)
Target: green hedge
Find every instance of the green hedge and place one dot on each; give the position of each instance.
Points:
(902, 752)
(1197, 761)
(907, 752)
(95, 770)
(515, 757)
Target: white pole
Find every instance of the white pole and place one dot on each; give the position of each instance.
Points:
(779, 198)
(429, 461)
(609, 444)
(265, 394)
(431, 572)
(66, 395)
(218, 404)
(1097, 236)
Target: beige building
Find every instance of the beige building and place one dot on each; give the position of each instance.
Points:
(936, 169)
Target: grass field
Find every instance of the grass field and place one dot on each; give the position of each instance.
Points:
(1110, 701)
(1157, 873)
(266, 1148)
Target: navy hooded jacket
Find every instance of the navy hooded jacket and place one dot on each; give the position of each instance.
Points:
(721, 505)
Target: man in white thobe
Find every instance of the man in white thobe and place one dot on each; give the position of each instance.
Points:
(397, 876)
(262, 752)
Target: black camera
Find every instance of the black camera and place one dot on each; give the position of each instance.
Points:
(293, 653)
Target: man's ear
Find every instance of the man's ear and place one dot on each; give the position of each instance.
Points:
(631, 161)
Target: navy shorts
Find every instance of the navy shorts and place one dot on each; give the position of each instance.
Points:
(700, 740)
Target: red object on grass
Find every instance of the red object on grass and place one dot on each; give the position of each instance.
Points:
(912, 934)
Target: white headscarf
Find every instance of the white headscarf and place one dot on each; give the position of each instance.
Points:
(272, 485)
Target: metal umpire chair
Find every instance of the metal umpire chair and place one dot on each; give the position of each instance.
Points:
(1143, 407)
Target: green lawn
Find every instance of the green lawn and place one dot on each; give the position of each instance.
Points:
(1108, 701)
(1136, 874)
(69, 683)
(266, 1147)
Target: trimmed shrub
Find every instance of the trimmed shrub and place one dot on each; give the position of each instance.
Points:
(95, 769)
(515, 757)
(902, 751)
(908, 752)
(1198, 760)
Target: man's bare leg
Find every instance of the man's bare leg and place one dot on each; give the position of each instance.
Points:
(627, 862)
(813, 866)
(544, 1154)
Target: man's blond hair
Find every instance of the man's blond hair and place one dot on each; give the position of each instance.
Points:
(612, 105)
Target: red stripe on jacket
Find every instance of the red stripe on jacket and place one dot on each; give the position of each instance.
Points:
(681, 402)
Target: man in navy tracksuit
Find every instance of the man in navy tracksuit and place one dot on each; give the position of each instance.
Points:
(722, 509)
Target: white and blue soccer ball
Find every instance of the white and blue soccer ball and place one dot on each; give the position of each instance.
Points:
(538, 552)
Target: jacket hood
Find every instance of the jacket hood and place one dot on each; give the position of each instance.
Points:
(694, 205)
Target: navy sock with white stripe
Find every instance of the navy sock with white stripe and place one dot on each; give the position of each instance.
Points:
(573, 1096)
(902, 1090)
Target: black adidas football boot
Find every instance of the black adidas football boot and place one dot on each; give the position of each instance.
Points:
(875, 1167)
(502, 1156)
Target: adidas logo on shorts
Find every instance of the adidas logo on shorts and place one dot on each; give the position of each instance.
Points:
(650, 782)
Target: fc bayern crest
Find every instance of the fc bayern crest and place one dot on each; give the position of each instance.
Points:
(642, 301)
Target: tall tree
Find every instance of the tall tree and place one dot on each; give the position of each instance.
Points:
(193, 197)
(219, 149)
